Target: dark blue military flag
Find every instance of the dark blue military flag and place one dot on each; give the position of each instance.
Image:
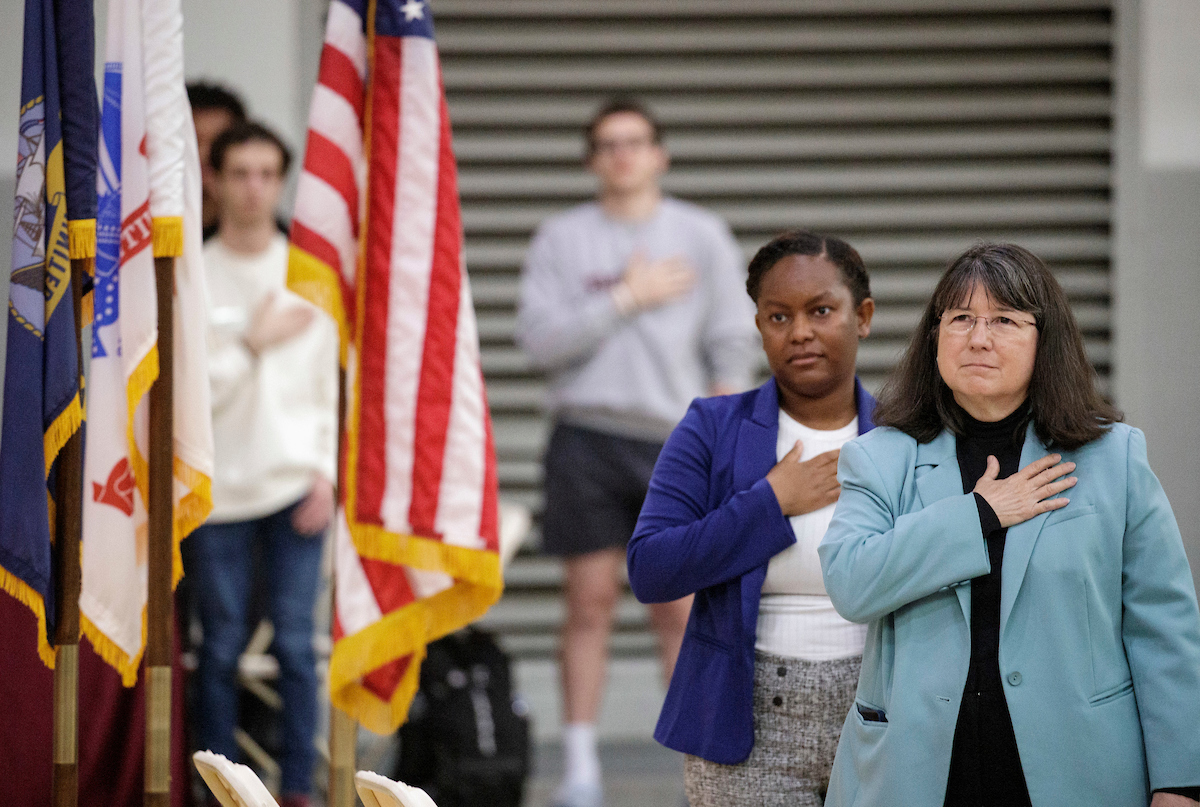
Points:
(41, 376)
(75, 29)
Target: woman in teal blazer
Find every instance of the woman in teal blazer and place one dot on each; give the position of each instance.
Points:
(1033, 636)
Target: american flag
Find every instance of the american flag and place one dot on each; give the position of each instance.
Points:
(377, 242)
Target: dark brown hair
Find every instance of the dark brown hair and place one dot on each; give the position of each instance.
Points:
(1066, 410)
(205, 95)
(799, 242)
(616, 106)
(248, 132)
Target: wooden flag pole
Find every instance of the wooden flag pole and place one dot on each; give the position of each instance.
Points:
(68, 526)
(161, 508)
(343, 741)
(343, 729)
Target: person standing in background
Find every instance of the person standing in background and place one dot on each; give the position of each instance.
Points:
(273, 365)
(633, 305)
(214, 109)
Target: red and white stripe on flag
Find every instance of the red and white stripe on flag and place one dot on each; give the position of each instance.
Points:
(377, 241)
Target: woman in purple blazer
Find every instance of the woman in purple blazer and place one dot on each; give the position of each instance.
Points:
(740, 498)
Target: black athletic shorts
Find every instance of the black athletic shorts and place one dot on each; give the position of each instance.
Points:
(595, 484)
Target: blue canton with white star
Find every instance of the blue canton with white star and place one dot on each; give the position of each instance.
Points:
(403, 18)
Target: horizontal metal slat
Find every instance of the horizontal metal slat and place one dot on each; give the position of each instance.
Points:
(636, 642)
(704, 74)
(546, 614)
(798, 35)
(519, 394)
(520, 435)
(529, 573)
(1079, 284)
(566, 9)
(693, 182)
(794, 106)
(843, 216)
(518, 472)
(759, 146)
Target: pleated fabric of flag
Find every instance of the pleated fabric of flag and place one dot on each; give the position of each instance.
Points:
(149, 206)
(377, 242)
(42, 403)
(75, 38)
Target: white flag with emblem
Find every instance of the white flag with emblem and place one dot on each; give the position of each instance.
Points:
(149, 203)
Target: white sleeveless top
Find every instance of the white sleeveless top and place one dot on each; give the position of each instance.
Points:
(795, 617)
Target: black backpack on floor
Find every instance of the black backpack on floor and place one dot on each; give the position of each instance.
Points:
(466, 742)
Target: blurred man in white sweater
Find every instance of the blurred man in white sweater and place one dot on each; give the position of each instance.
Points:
(273, 366)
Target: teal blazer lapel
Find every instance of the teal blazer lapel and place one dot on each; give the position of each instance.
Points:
(1018, 546)
(939, 477)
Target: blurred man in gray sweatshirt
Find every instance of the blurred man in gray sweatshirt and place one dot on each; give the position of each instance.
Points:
(633, 305)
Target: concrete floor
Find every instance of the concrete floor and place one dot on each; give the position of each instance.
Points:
(632, 699)
(636, 774)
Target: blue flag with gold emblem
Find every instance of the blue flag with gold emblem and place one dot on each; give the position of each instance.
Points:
(41, 376)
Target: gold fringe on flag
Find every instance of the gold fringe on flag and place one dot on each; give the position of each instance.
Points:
(60, 431)
(136, 388)
(190, 511)
(473, 565)
(82, 235)
(22, 593)
(113, 655)
(316, 281)
(403, 632)
(168, 236)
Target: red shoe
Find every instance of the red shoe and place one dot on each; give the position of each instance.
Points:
(294, 800)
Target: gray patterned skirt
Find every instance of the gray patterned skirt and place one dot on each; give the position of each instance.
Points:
(799, 708)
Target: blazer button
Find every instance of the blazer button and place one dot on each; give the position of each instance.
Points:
(781, 672)
(778, 701)
(1014, 678)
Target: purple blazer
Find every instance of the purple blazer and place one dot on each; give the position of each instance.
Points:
(709, 526)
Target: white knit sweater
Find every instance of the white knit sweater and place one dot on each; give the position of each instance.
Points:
(274, 415)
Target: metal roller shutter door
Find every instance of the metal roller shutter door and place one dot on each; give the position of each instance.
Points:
(910, 127)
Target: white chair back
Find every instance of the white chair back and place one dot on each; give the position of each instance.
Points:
(233, 784)
(380, 791)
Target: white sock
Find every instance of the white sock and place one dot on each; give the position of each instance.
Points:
(580, 759)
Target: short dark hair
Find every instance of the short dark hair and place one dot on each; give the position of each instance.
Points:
(204, 95)
(246, 132)
(1066, 409)
(616, 106)
(801, 242)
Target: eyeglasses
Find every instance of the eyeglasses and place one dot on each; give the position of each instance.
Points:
(961, 323)
(608, 147)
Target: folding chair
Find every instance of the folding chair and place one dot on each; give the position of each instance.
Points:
(233, 784)
(380, 791)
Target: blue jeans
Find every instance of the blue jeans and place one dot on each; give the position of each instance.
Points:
(220, 561)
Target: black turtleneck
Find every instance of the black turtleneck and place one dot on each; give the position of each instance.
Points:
(985, 768)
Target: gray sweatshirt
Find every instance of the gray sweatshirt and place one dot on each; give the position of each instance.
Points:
(634, 375)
